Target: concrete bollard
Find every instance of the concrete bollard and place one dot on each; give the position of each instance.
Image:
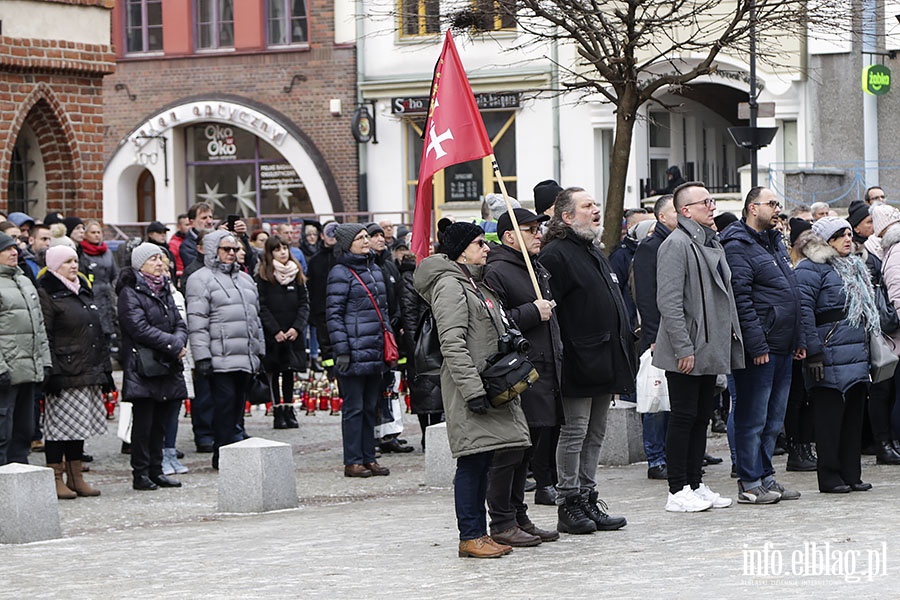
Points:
(28, 507)
(624, 440)
(256, 475)
(440, 466)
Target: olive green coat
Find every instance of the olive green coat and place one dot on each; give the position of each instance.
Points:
(467, 340)
(24, 351)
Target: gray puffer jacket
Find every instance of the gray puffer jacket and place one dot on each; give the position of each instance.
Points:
(223, 313)
(24, 351)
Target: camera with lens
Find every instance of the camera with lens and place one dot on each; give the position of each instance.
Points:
(514, 341)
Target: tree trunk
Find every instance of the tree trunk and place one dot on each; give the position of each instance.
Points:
(618, 171)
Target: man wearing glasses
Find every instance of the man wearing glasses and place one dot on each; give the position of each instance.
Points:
(699, 338)
(765, 293)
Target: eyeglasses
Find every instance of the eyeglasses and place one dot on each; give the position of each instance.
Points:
(708, 202)
(364, 236)
(228, 249)
(770, 204)
(480, 242)
(533, 230)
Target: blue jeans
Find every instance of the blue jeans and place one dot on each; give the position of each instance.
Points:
(470, 493)
(202, 411)
(361, 394)
(729, 422)
(655, 425)
(762, 394)
(312, 341)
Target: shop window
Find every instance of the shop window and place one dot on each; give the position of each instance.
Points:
(19, 186)
(238, 173)
(143, 26)
(495, 15)
(215, 24)
(287, 22)
(420, 17)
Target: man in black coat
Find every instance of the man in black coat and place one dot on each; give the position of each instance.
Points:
(598, 354)
(644, 274)
(316, 282)
(506, 273)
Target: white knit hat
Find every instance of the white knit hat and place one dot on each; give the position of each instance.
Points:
(883, 216)
(826, 227)
(143, 253)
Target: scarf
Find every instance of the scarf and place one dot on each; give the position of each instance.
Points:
(93, 249)
(285, 273)
(73, 286)
(155, 282)
(861, 309)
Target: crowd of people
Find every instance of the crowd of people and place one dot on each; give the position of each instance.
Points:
(764, 320)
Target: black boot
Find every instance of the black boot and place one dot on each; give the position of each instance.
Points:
(290, 417)
(798, 458)
(545, 495)
(595, 509)
(718, 422)
(572, 518)
(280, 421)
(887, 454)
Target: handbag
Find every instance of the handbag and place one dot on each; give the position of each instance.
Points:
(150, 363)
(260, 392)
(427, 352)
(652, 388)
(882, 360)
(391, 351)
(887, 313)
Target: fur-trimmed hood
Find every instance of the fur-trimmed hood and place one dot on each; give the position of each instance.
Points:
(815, 248)
(891, 237)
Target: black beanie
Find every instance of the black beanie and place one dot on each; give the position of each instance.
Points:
(457, 236)
(545, 194)
(798, 226)
(858, 211)
(71, 223)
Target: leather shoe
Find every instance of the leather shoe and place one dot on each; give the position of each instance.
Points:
(356, 471)
(165, 481)
(658, 472)
(545, 496)
(709, 459)
(205, 448)
(514, 537)
(377, 469)
(530, 485)
(482, 547)
(394, 446)
(860, 487)
(838, 489)
(545, 535)
(505, 549)
(143, 483)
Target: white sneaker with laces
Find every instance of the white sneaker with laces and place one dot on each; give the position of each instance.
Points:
(686, 501)
(705, 493)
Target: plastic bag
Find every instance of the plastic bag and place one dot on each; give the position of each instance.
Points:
(124, 429)
(652, 390)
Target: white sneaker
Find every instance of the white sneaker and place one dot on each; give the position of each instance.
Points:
(718, 501)
(687, 501)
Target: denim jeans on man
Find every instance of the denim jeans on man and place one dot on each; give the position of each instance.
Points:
(762, 395)
(202, 411)
(580, 438)
(470, 493)
(654, 426)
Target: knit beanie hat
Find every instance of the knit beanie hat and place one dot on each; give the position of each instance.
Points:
(545, 194)
(374, 228)
(457, 236)
(57, 255)
(798, 226)
(883, 216)
(498, 206)
(143, 253)
(857, 211)
(344, 234)
(826, 227)
(71, 223)
(6, 241)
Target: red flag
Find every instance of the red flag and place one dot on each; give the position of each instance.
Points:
(454, 133)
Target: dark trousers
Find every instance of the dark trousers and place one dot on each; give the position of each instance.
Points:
(798, 419)
(16, 423)
(285, 387)
(361, 394)
(229, 393)
(838, 430)
(150, 418)
(506, 489)
(427, 420)
(202, 411)
(691, 398)
(38, 433)
(470, 493)
(880, 405)
(543, 454)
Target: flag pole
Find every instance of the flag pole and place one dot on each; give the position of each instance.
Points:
(515, 228)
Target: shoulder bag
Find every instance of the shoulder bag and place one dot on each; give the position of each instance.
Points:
(391, 351)
(150, 363)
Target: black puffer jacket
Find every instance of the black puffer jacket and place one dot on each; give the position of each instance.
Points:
(507, 275)
(151, 321)
(77, 344)
(280, 308)
(424, 390)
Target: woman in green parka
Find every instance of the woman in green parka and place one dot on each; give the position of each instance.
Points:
(464, 307)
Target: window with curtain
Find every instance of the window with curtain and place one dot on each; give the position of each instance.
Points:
(419, 17)
(215, 24)
(287, 22)
(143, 26)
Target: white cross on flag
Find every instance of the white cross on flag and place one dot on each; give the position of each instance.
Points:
(454, 133)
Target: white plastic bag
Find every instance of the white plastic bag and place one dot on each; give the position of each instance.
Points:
(652, 390)
(124, 430)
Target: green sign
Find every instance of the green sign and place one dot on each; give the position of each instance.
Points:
(876, 80)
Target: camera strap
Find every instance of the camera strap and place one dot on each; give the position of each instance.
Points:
(487, 305)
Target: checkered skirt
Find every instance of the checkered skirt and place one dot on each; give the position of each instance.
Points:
(74, 414)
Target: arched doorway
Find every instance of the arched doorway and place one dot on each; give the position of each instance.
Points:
(26, 185)
(146, 196)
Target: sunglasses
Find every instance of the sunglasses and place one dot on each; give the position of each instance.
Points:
(228, 249)
(480, 242)
(533, 230)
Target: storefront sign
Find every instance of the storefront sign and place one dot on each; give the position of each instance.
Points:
(220, 145)
(242, 116)
(876, 80)
(278, 177)
(419, 104)
(361, 127)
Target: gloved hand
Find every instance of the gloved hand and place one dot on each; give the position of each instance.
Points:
(47, 371)
(109, 385)
(204, 367)
(342, 363)
(815, 367)
(479, 405)
(52, 385)
(5, 380)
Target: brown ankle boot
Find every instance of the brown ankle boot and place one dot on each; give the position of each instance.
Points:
(482, 547)
(62, 492)
(76, 482)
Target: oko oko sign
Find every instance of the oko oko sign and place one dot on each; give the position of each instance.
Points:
(876, 80)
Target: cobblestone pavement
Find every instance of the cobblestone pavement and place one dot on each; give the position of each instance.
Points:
(393, 537)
